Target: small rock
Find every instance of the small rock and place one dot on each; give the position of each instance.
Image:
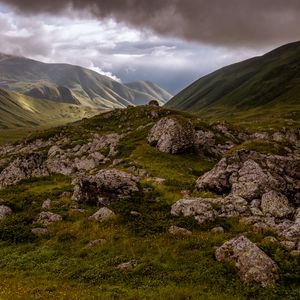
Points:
(5, 211)
(102, 214)
(39, 231)
(96, 242)
(130, 265)
(135, 213)
(252, 263)
(174, 230)
(48, 218)
(46, 204)
(218, 230)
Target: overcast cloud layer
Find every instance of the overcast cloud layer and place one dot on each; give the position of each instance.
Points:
(171, 42)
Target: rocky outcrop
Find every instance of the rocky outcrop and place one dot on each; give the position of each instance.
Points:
(102, 214)
(48, 218)
(172, 135)
(5, 211)
(253, 265)
(105, 187)
(23, 168)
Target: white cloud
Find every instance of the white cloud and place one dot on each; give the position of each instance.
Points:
(108, 74)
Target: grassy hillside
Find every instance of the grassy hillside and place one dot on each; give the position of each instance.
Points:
(61, 265)
(261, 87)
(70, 84)
(18, 111)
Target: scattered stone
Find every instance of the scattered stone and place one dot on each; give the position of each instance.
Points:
(135, 213)
(197, 208)
(172, 135)
(46, 204)
(48, 218)
(66, 195)
(5, 211)
(127, 266)
(218, 230)
(295, 253)
(95, 243)
(275, 204)
(252, 263)
(39, 231)
(102, 214)
(174, 230)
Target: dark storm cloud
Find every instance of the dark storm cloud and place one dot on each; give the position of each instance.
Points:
(221, 22)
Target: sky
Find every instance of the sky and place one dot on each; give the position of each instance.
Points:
(169, 42)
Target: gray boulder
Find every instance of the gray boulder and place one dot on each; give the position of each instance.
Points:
(253, 265)
(275, 204)
(105, 187)
(172, 135)
(251, 182)
(102, 214)
(5, 211)
(48, 218)
(197, 208)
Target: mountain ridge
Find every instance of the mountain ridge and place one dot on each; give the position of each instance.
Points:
(263, 81)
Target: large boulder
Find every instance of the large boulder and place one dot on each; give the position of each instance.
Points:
(105, 187)
(172, 135)
(197, 208)
(275, 204)
(25, 167)
(251, 182)
(253, 265)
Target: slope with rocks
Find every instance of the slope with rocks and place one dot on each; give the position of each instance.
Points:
(105, 204)
(265, 86)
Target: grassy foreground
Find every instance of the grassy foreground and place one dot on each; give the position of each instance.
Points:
(61, 266)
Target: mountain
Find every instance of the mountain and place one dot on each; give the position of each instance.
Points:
(269, 83)
(150, 88)
(18, 111)
(72, 84)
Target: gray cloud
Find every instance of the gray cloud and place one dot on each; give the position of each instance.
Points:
(218, 22)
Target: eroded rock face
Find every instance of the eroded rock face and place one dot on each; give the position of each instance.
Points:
(172, 135)
(102, 214)
(201, 211)
(275, 204)
(253, 265)
(23, 168)
(105, 187)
